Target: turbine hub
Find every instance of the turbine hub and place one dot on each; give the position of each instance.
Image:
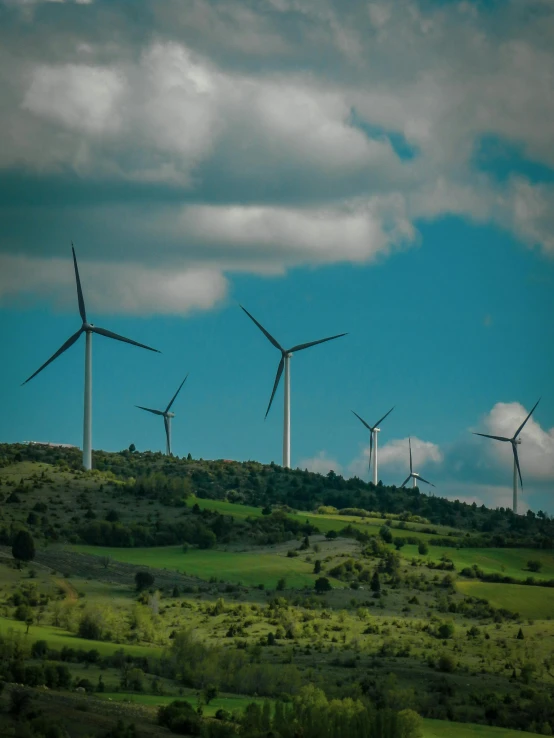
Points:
(88, 327)
(169, 415)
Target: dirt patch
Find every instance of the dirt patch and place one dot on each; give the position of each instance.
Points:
(68, 588)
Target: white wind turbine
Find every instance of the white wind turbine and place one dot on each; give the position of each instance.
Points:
(373, 441)
(414, 476)
(285, 364)
(515, 441)
(166, 416)
(88, 329)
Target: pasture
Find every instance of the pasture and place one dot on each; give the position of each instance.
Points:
(58, 638)
(510, 562)
(252, 568)
(444, 729)
(529, 602)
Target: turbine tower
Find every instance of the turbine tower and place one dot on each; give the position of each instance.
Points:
(515, 441)
(373, 441)
(88, 329)
(414, 476)
(285, 364)
(166, 416)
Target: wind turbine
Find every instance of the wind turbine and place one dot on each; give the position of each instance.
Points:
(88, 329)
(373, 441)
(285, 364)
(166, 416)
(515, 441)
(413, 475)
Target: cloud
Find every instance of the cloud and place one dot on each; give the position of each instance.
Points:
(320, 464)
(112, 288)
(394, 457)
(267, 136)
(536, 452)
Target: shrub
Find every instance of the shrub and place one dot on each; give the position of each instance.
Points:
(446, 663)
(322, 584)
(423, 548)
(533, 565)
(143, 579)
(23, 548)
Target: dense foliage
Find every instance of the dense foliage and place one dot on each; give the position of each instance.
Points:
(170, 480)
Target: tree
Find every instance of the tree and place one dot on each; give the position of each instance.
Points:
(520, 635)
(422, 548)
(132, 448)
(386, 534)
(533, 565)
(331, 534)
(23, 548)
(281, 584)
(375, 583)
(322, 585)
(317, 566)
(143, 579)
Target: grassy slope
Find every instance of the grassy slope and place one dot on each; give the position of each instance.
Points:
(507, 561)
(529, 602)
(443, 729)
(57, 638)
(250, 568)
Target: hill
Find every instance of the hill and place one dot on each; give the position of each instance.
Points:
(264, 598)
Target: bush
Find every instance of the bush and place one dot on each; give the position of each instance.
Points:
(446, 663)
(143, 579)
(422, 548)
(179, 716)
(23, 548)
(386, 534)
(533, 565)
(322, 584)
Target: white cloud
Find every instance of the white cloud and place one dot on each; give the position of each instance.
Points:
(123, 288)
(536, 452)
(250, 112)
(395, 457)
(78, 97)
(320, 464)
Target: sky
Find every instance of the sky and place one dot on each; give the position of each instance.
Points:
(384, 169)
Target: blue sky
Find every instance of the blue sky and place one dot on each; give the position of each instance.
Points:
(276, 159)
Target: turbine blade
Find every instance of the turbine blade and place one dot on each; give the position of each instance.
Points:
(410, 445)
(363, 421)
(67, 344)
(384, 416)
(109, 334)
(498, 438)
(406, 481)
(276, 384)
(518, 431)
(516, 458)
(302, 346)
(263, 330)
(175, 395)
(166, 424)
(79, 290)
(149, 410)
(370, 447)
(424, 480)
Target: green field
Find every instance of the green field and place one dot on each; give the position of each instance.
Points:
(443, 729)
(325, 523)
(249, 568)
(229, 702)
(510, 562)
(58, 638)
(529, 602)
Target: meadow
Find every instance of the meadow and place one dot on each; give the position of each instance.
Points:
(530, 602)
(250, 568)
(510, 562)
